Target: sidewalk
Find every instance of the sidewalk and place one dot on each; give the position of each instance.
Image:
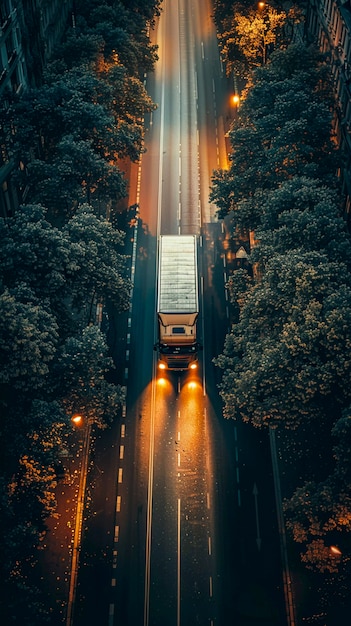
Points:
(55, 554)
(316, 596)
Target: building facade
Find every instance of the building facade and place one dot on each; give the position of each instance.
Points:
(29, 32)
(328, 23)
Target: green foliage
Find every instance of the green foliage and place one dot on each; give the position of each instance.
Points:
(57, 262)
(319, 514)
(73, 130)
(289, 350)
(50, 362)
(301, 214)
(81, 365)
(99, 265)
(123, 28)
(286, 362)
(28, 337)
(283, 131)
(248, 34)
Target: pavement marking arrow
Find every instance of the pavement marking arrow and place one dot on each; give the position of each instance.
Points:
(258, 538)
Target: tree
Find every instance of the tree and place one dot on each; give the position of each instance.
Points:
(80, 369)
(28, 338)
(257, 31)
(285, 361)
(319, 514)
(129, 102)
(247, 35)
(284, 130)
(99, 264)
(123, 29)
(301, 214)
(341, 432)
(67, 138)
(80, 48)
(79, 147)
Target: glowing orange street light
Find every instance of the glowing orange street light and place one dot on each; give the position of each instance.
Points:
(335, 550)
(77, 419)
(261, 5)
(236, 100)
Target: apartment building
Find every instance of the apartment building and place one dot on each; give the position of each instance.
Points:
(29, 31)
(328, 22)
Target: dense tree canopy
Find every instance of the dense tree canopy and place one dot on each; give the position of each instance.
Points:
(319, 514)
(283, 131)
(52, 363)
(59, 257)
(249, 32)
(289, 352)
(286, 362)
(73, 131)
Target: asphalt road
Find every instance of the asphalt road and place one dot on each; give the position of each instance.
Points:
(180, 527)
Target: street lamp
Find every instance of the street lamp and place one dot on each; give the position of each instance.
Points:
(335, 551)
(236, 100)
(77, 419)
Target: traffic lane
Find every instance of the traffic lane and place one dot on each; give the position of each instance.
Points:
(183, 576)
(129, 591)
(164, 137)
(245, 536)
(171, 165)
(163, 558)
(189, 184)
(195, 489)
(96, 553)
(170, 124)
(241, 460)
(131, 508)
(260, 592)
(210, 105)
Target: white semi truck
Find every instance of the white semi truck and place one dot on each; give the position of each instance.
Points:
(177, 302)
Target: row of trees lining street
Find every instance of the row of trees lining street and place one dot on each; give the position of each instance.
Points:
(59, 256)
(286, 362)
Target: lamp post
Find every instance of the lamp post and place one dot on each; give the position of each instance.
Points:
(262, 7)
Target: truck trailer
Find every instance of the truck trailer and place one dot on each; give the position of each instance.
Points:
(177, 302)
